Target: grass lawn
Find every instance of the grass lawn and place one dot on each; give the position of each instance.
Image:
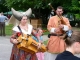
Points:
(45, 42)
(9, 30)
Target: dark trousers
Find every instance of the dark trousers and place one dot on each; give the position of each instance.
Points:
(2, 28)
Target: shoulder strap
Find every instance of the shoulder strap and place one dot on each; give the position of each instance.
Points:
(20, 29)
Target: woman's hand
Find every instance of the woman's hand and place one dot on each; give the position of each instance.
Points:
(15, 41)
(40, 42)
(39, 45)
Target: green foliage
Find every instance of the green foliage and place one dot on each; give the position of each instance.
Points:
(71, 5)
(8, 29)
(45, 42)
(75, 5)
(77, 16)
(38, 6)
(24, 4)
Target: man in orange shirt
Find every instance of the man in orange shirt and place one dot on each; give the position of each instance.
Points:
(57, 26)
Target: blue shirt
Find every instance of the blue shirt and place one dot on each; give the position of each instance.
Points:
(37, 39)
(3, 18)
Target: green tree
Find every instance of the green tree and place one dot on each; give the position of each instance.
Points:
(76, 8)
(3, 8)
(41, 7)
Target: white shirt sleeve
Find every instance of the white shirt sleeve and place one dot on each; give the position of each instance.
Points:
(66, 28)
(52, 30)
(15, 28)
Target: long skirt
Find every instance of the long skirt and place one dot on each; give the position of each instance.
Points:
(18, 54)
(40, 56)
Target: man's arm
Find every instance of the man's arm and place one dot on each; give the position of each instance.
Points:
(6, 18)
(50, 26)
(67, 26)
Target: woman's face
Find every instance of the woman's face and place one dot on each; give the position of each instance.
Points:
(24, 20)
(40, 32)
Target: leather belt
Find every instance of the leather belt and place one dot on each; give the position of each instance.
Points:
(54, 35)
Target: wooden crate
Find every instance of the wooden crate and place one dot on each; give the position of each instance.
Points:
(36, 23)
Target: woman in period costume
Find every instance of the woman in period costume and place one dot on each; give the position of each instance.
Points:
(25, 28)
